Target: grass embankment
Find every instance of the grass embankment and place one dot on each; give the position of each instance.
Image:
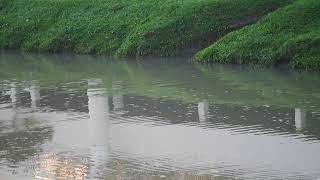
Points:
(289, 35)
(124, 27)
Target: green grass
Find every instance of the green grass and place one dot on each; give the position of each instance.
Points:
(124, 27)
(289, 35)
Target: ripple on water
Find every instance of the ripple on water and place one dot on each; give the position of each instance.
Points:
(120, 120)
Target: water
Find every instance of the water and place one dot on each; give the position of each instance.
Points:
(86, 117)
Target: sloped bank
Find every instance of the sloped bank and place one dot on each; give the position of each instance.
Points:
(124, 27)
(289, 35)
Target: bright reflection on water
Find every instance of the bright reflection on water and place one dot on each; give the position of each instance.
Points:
(84, 117)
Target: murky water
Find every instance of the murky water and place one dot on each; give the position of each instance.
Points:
(85, 117)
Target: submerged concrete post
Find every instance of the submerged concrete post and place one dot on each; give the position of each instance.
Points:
(300, 118)
(18, 122)
(117, 100)
(118, 103)
(13, 94)
(203, 110)
(98, 106)
(14, 98)
(34, 91)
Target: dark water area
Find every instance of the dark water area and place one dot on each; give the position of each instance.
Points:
(91, 117)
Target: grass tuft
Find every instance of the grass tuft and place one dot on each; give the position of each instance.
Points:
(288, 35)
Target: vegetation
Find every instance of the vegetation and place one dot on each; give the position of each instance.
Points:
(291, 34)
(124, 27)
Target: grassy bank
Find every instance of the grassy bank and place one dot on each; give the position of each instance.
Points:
(289, 35)
(124, 27)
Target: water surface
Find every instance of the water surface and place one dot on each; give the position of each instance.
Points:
(91, 117)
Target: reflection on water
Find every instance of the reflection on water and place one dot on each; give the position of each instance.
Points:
(34, 91)
(99, 127)
(84, 117)
(203, 108)
(300, 118)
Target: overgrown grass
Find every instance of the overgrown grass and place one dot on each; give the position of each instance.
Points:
(289, 35)
(124, 27)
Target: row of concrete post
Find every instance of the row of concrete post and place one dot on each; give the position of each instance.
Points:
(99, 113)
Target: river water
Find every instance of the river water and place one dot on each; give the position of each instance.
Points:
(91, 117)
